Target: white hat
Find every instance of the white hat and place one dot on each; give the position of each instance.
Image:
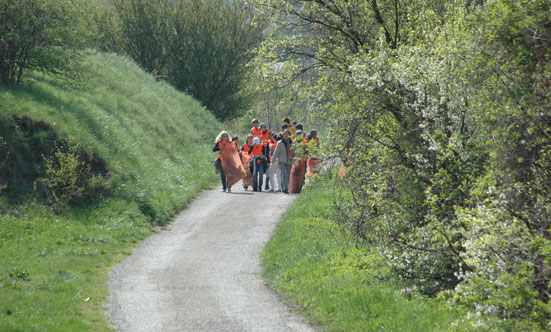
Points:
(256, 140)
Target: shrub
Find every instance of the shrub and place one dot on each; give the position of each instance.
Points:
(69, 178)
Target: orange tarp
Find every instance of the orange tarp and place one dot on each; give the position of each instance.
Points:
(297, 175)
(248, 178)
(314, 167)
(231, 163)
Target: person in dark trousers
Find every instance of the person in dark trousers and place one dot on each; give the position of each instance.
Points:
(245, 149)
(260, 162)
(222, 143)
(284, 155)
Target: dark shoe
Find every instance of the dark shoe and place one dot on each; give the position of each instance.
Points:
(259, 188)
(254, 189)
(223, 190)
(246, 187)
(285, 191)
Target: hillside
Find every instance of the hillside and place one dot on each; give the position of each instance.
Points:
(150, 142)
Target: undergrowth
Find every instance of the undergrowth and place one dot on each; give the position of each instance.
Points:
(337, 283)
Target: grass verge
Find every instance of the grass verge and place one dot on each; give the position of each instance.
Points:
(153, 142)
(336, 284)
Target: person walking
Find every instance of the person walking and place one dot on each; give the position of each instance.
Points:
(283, 155)
(274, 171)
(245, 159)
(265, 134)
(222, 143)
(265, 138)
(259, 163)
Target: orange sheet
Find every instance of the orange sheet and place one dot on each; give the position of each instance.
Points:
(233, 169)
(248, 178)
(297, 175)
(314, 167)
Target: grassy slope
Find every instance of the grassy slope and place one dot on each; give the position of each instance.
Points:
(339, 286)
(155, 142)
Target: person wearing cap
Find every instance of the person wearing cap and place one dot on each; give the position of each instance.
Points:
(255, 131)
(259, 162)
(283, 155)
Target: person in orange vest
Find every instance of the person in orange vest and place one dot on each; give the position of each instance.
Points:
(248, 143)
(265, 139)
(222, 143)
(274, 170)
(265, 134)
(313, 137)
(255, 130)
(245, 149)
(259, 163)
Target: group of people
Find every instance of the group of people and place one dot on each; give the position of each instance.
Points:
(266, 155)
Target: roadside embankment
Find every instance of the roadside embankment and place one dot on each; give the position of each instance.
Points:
(85, 167)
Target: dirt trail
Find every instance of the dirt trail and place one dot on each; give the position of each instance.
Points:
(203, 273)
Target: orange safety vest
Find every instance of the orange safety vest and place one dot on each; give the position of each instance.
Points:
(265, 137)
(256, 132)
(246, 147)
(228, 143)
(257, 151)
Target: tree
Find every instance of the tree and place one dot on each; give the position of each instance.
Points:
(146, 32)
(44, 35)
(212, 44)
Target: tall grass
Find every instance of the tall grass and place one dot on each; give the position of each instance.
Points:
(155, 143)
(154, 139)
(336, 284)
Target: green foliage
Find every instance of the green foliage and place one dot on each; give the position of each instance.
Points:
(201, 47)
(441, 108)
(337, 284)
(211, 47)
(22, 275)
(146, 32)
(69, 178)
(24, 142)
(43, 35)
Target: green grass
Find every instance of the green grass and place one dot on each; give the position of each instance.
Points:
(53, 268)
(336, 284)
(154, 141)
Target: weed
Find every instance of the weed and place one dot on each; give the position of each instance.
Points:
(19, 275)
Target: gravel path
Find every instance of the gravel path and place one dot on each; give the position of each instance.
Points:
(203, 272)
